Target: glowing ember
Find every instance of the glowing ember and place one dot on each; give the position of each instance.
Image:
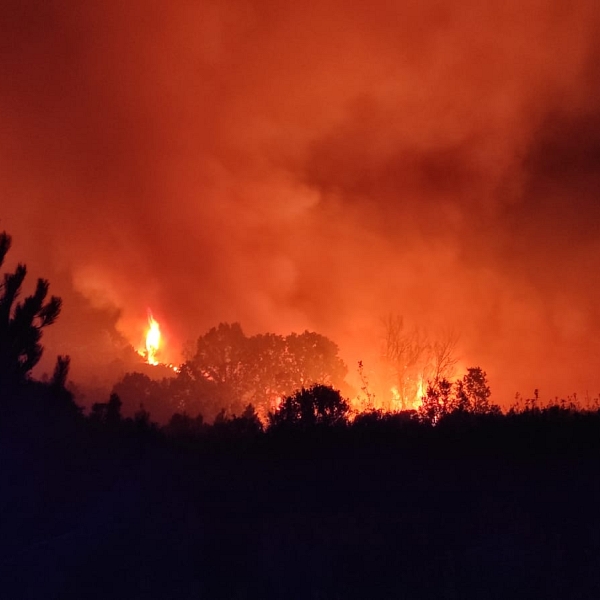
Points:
(152, 340)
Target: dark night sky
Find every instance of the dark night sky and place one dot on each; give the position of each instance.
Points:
(313, 167)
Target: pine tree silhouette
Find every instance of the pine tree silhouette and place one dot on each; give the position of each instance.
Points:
(21, 323)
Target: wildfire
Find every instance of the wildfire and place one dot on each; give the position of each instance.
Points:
(152, 340)
(420, 393)
(400, 402)
(395, 396)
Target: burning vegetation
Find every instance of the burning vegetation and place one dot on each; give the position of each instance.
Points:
(228, 370)
(152, 340)
(315, 479)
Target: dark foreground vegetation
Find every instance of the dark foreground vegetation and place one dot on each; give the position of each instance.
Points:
(458, 500)
(496, 506)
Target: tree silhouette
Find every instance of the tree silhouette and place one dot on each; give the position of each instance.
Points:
(413, 357)
(247, 425)
(260, 369)
(406, 352)
(183, 426)
(190, 392)
(137, 389)
(107, 413)
(21, 323)
(473, 392)
(221, 356)
(61, 372)
(312, 358)
(437, 401)
(316, 405)
(63, 398)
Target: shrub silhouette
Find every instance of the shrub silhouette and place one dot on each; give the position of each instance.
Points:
(316, 405)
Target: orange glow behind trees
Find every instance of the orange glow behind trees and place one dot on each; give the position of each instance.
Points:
(341, 164)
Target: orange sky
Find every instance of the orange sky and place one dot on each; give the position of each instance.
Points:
(311, 167)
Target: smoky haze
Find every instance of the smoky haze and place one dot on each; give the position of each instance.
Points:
(313, 167)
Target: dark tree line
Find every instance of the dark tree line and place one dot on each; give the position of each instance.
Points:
(231, 384)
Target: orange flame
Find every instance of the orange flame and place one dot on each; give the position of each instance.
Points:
(152, 340)
(396, 400)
